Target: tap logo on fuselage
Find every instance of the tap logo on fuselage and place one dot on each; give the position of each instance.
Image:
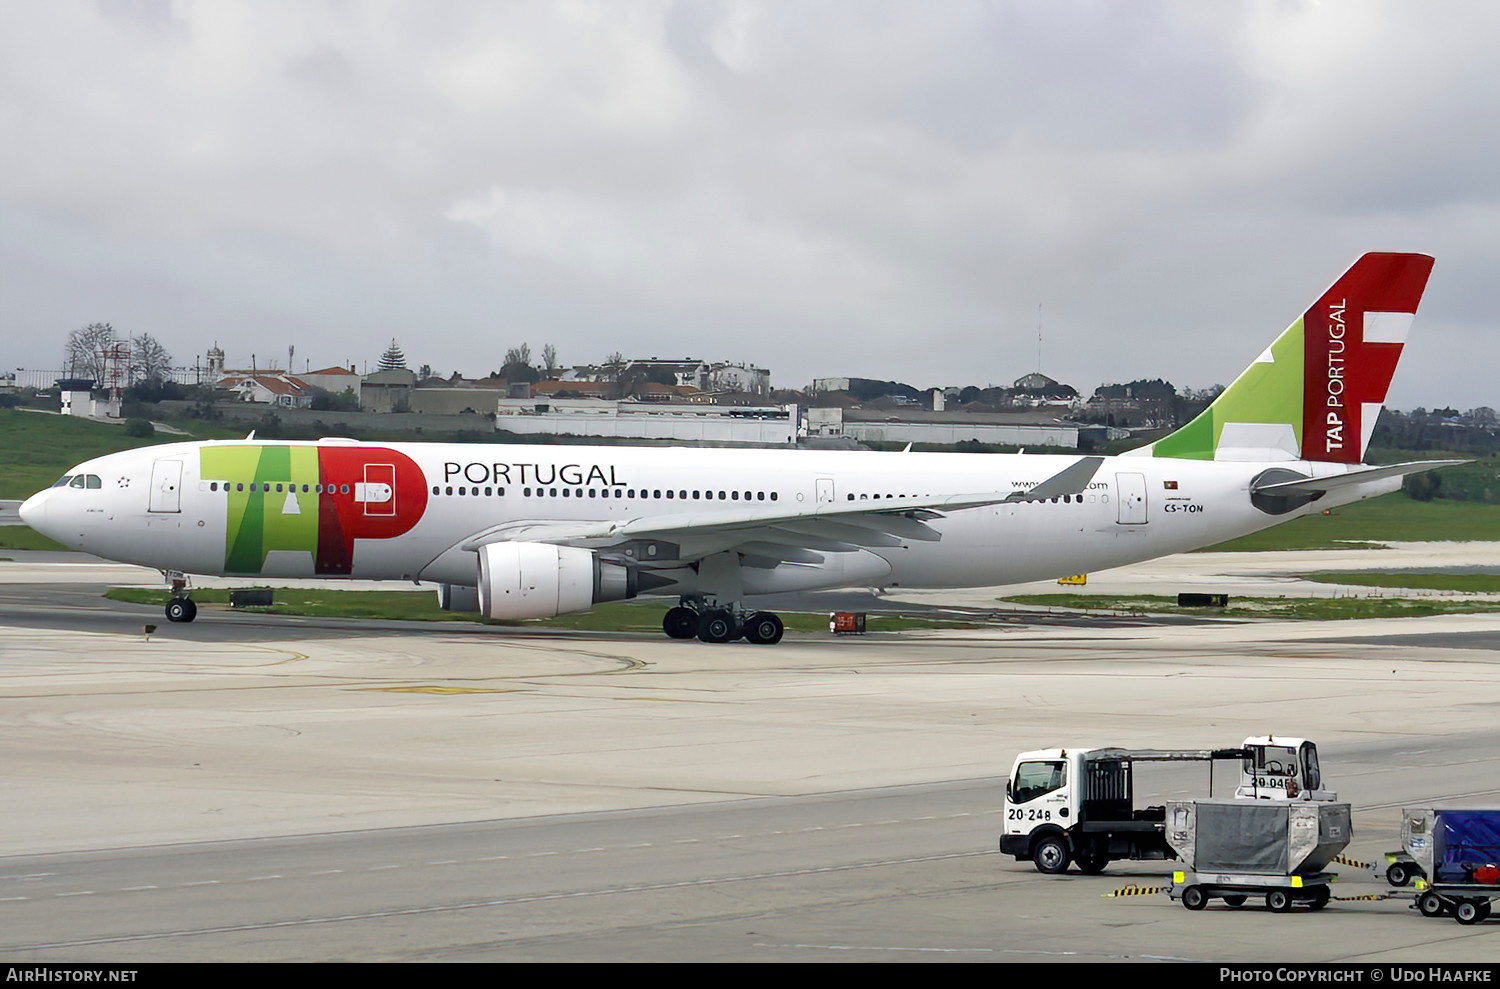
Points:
(316, 500)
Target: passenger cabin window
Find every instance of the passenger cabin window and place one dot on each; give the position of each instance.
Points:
(1034, 779)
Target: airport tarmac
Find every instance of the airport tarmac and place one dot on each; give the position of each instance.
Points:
(276, 788)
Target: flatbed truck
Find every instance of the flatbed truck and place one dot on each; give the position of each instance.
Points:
(1077, 805)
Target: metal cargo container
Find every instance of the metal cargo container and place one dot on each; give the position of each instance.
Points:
(1257, 838)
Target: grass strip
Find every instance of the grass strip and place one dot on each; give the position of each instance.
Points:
(1472, 583)
(25, 537)
(1366, 524)
(1286, 608)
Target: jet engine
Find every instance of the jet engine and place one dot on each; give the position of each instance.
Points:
(539, 580)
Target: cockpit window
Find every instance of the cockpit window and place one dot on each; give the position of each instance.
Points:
(62, 482)
(77, 482)
(94, 482)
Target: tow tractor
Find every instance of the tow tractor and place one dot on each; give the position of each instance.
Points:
(1077, 805)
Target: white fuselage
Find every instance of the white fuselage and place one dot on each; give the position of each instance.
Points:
(181, 507)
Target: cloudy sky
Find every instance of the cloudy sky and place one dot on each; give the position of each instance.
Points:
(881, 189)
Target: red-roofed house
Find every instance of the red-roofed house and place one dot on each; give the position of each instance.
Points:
(270, 389)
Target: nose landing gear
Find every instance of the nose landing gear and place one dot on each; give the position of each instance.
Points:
(181, 607)
(181, 610)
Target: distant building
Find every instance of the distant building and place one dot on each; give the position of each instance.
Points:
(688, 371)
(570, 389)
(1028, 429)
(80, 399)
(721, 378)
(772, 424)
(335, 380)
(825, 422)
(387, 391)
(284, 390)
(1035, 381)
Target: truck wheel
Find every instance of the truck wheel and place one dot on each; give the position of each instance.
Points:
(1320, 897)
(1467, 912)
(1430, 905)
(1235, 900)
(1194, 898)
(1051, 855)
(1398, 874)
(1091, 861)
(1278, 901)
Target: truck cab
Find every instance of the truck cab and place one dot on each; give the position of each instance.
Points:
(1077, 805)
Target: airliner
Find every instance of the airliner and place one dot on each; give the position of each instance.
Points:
(521, 532)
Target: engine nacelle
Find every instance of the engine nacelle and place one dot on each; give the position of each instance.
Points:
(540, 580)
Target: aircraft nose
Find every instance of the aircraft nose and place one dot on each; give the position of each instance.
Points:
(33, 510)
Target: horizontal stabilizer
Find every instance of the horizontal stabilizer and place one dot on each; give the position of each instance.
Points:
(1322, 485)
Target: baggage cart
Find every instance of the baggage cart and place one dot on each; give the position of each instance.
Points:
(1458, 852)
(1233, 850)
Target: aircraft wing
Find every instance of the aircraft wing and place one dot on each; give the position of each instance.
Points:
(770, 534)
(1320, 485)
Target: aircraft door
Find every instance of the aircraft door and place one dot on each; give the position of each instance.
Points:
(378, 492)
(166, 486)
(825, 491)
(1131, 492)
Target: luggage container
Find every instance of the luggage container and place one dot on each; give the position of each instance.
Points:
(1235, 849)
(847, 623)
(1458, 852)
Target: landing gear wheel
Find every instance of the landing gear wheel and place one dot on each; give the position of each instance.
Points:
(1278, 901)
(763, 629)
(1235, 900)
(1399, 874)
(680, 623)
(1194, 898)
(717, 626)
(1091, 861)
(1051, 855)
(1430, 905)
(181, 610)
(1471, 911)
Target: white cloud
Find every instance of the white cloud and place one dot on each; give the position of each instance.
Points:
(860, 188)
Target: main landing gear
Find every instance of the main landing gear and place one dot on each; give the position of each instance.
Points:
(720, 623)
(181, 607)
